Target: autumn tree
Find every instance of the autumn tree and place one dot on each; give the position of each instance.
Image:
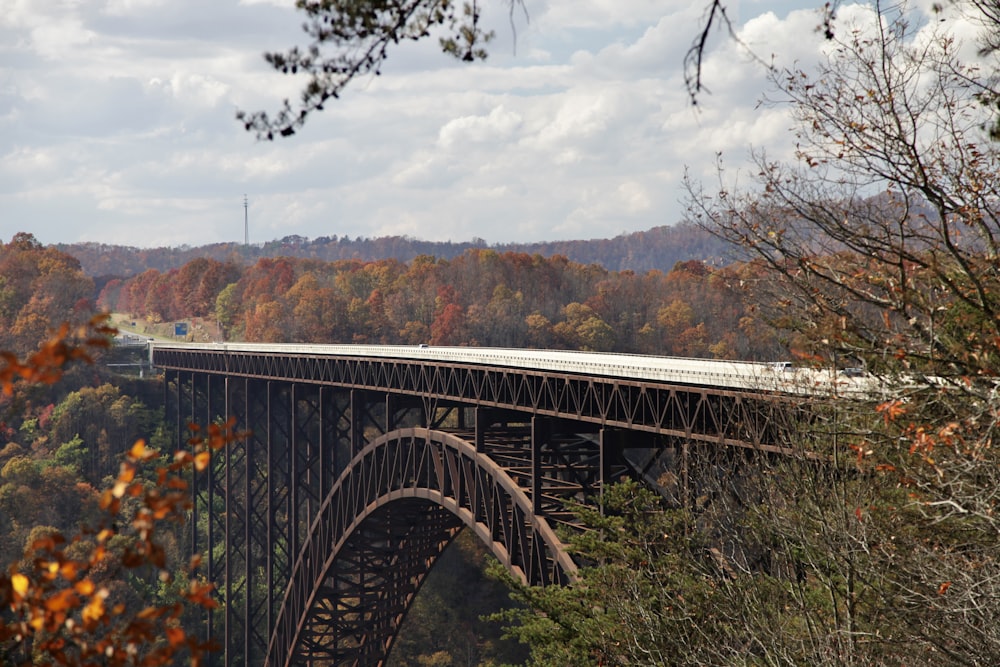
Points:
(198, 283)
(38, 285)
(449, 323)
(880, 250)
(65, 601)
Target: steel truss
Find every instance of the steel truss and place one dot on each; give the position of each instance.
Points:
(424, 486)
(320, 527)
(702, 413)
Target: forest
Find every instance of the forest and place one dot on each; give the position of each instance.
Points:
(870, 538)
(64, 442)
(658, 248)
(62, 445)
(480, 298)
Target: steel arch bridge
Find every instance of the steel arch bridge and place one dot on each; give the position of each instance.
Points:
(363, 462)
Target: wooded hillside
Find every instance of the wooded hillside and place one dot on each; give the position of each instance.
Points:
(480, 298)
(658, 248)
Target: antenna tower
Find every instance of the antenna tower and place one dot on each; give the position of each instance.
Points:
(246, 222)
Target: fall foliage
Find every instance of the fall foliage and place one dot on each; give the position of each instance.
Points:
(62, 601)
(480, 298)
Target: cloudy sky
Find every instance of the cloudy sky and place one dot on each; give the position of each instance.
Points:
(117, 123)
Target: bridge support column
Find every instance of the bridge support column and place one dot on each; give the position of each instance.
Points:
(609, 441)
(541, 432)
(402, 411)
(364, 408)
(200, 399)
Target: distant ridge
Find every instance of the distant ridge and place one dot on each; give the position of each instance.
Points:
(658, 248)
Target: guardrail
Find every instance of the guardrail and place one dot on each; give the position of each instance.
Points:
(770, 376)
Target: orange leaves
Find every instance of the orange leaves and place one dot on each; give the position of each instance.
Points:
(63, 346)
(62, 601)
(54, 609)
(201, 595)
(861, 450)
(923, 440)
(891, 410)
(175, 636)
(84, 587)
(57, 610)
(55, 606)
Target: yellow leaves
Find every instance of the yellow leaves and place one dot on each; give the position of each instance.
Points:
(20, 584)
(119, 489)
(109, 503)
(94, 610)
(201, 460)
(140, 452)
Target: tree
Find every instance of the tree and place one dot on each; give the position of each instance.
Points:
(360, 34)
(874, 541)
(38, 286)
(888, 226)
(881, 250)
(62, 602)
(198, 283)
(448, 326)
(646, 599)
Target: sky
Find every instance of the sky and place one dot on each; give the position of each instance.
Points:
(117, 122)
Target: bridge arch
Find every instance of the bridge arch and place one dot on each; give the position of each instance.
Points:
(380, 529)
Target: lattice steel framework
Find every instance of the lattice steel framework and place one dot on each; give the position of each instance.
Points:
(698, 413)
(321, 526)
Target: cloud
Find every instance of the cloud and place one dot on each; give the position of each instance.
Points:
(498, 125)
(117, 123)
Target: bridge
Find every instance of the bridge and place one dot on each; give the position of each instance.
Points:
(364, 462)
